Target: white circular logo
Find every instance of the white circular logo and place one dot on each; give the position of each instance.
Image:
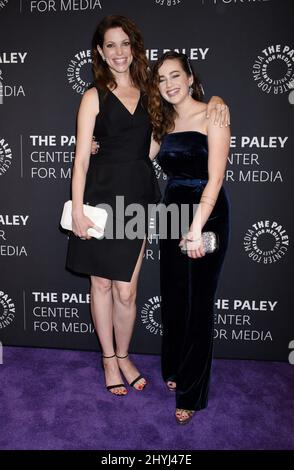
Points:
(3, 4)
(266, 242)
(7, 310)
(150, 315)
(291, 94)
(5, 156)
(79, 71)
(158, 171)
(273, 69)
(167, 3)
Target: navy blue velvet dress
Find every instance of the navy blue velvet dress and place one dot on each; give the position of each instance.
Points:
(188, 286)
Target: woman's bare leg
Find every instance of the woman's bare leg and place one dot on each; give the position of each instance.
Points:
(124, 315)
(102, 311)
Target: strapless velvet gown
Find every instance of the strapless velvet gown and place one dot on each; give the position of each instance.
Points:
(188, 286)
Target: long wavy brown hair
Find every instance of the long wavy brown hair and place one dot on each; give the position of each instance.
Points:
(103, 76)
(161, 112)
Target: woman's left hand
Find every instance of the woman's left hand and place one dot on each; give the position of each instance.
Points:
(193, 247)
(222, 115)
(94, 146)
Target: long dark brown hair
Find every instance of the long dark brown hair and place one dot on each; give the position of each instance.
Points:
(161, 112)
(103, 76)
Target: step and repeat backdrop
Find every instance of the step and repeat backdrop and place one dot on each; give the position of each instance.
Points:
(243, 50)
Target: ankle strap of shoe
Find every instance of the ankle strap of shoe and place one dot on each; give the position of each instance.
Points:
(122, 357)
(108, 357)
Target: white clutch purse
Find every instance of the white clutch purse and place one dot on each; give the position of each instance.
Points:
(96, 214)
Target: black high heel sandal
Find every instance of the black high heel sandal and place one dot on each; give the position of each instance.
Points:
(133, 383)
(111, 387)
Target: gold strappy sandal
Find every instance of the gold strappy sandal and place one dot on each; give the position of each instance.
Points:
(184, 420)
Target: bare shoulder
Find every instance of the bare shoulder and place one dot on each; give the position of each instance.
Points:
(200, 109)
(199, 118)
(212, 116)
(202, 106)
(90, 100)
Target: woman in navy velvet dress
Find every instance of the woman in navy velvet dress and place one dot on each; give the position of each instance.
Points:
(193, 153)
(115, 112)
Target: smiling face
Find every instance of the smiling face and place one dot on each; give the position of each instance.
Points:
(173, 81)
(116, 50)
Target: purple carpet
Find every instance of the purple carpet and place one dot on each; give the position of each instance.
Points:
(56, 399)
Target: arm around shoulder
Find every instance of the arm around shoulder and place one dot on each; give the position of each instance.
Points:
(222, 114)
(154, 148)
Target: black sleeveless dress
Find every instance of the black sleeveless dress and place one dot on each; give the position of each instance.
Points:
(121, 168)
(188, 286)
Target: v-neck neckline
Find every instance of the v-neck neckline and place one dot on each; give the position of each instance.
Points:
(128, 111)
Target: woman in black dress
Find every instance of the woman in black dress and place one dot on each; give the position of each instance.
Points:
(193, 154)
(114, 112)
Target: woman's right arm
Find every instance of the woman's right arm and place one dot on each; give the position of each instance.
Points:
(88, 111)
(154, 148)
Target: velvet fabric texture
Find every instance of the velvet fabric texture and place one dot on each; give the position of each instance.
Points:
(188, 286)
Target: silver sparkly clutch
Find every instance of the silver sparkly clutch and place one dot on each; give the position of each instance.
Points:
(210, 242)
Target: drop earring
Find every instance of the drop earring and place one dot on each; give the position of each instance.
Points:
(191, 90)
